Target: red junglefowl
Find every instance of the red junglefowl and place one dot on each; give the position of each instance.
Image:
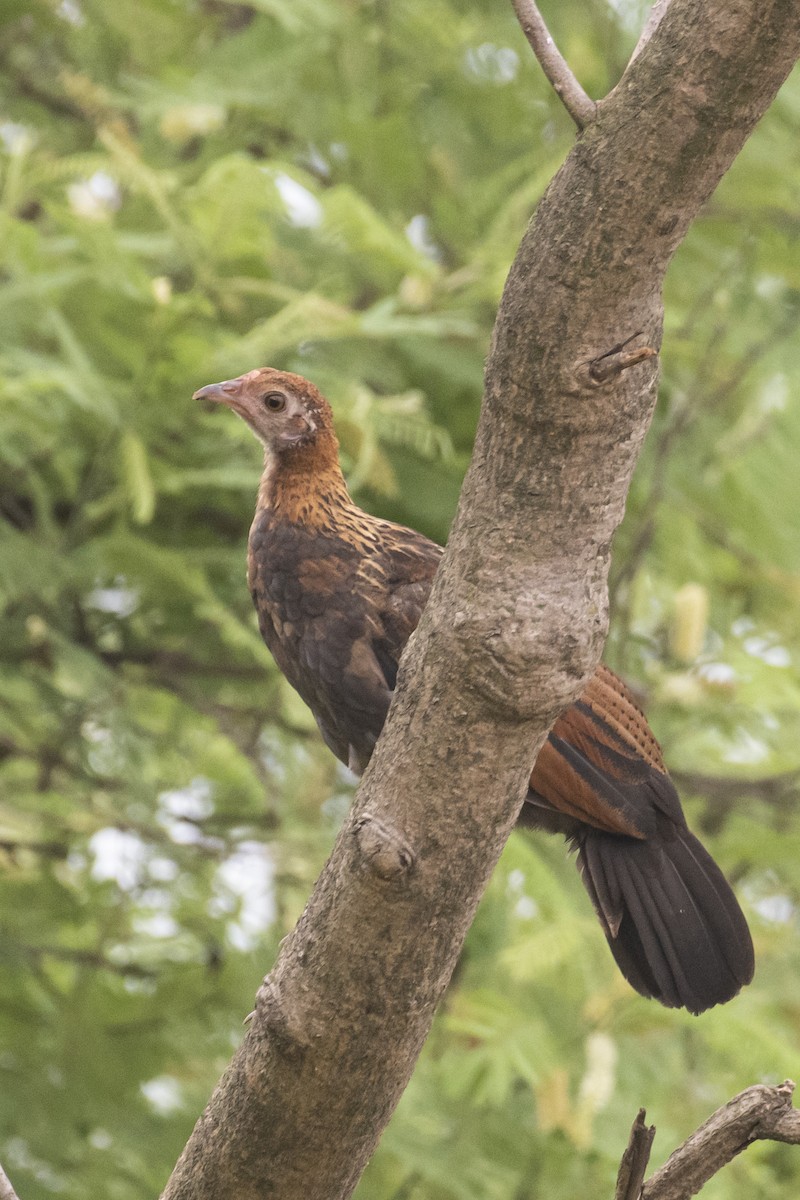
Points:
(338, 593)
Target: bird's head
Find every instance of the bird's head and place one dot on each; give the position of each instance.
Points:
(284, 411)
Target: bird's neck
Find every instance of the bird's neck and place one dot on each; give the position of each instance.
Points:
(304, 486)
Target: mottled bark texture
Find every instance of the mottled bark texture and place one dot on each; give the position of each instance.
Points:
(515, 625)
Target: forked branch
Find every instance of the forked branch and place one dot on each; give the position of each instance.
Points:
(759, 1113)
(578, 104)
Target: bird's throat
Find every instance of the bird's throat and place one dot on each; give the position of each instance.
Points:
(304, 485)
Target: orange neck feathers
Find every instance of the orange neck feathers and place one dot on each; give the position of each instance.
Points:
(305, 484)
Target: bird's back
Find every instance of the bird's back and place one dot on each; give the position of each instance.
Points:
(337, 602)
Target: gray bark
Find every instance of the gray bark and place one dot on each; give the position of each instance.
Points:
(760, 1113)
(515, 625)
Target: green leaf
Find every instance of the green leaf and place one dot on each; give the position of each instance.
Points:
(138, 480)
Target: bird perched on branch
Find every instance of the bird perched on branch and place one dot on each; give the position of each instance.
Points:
(338, 593)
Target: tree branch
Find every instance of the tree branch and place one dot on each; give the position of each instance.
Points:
(650, 26)
(6, 1190)
(580, 107)
(758, 1114)
(635, 1159)
(514, 627)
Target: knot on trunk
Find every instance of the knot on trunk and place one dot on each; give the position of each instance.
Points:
(514, 653)
(384, 850)
(276, 1022)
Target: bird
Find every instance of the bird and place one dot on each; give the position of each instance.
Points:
(338, 593)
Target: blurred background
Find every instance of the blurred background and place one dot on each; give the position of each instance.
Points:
(190, 189)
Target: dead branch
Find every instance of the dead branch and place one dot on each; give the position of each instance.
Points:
(635, 1159)
(759, 1113)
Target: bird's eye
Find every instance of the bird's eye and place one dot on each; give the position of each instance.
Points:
(275, 401)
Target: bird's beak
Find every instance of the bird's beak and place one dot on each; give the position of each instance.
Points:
(219, 393)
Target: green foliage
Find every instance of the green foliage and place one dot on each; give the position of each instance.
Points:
(188, 190)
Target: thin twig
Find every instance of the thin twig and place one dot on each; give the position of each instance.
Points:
(651, 25)
(759, 1113)
(635, 1159)
(580, 107)
(6, 1190)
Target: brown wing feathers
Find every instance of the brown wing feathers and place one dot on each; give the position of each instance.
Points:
(600, 759)
(338, 594)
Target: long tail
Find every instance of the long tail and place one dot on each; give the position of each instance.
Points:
(671, 919)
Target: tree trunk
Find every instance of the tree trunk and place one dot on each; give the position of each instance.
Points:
(515, 624)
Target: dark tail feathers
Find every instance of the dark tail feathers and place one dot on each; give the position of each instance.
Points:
(673, 924)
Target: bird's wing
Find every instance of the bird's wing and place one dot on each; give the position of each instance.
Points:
(402, 573)
(602, 765)
(345, 611)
